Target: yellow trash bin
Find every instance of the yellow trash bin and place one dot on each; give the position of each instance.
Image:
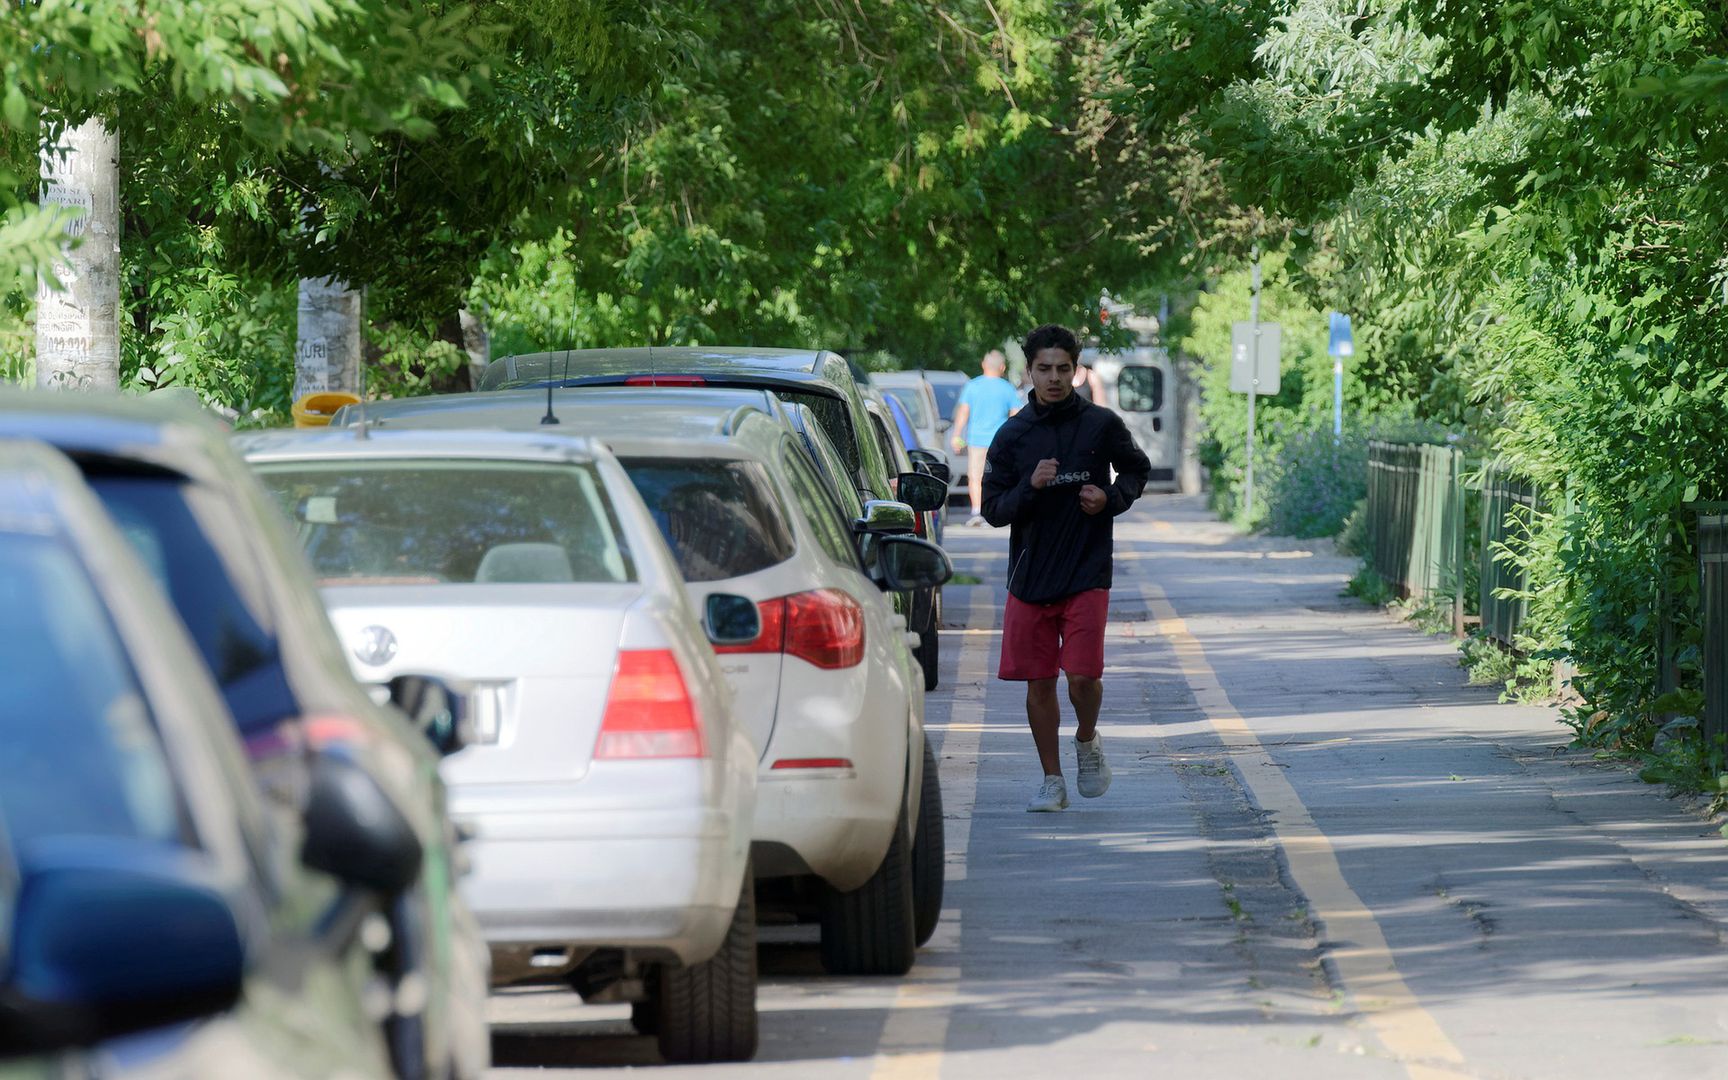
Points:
(316, 409)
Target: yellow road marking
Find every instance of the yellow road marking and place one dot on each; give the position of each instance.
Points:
(917, 1026)
(1364, 959)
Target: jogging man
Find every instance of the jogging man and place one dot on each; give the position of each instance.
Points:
(985, 403)
(1048, 477)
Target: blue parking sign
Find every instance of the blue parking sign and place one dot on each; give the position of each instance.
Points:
(1342, 343)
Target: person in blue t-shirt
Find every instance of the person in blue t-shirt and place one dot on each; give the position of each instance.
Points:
(985, 403)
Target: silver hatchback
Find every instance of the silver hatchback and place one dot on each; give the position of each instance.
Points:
(607, 785)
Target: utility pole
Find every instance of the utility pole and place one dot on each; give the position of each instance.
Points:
(78, 324)
(1254, 388)
(327, 343)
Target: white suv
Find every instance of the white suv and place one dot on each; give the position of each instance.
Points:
(848, 826)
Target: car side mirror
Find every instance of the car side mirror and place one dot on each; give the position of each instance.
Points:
(921, 491)
(906, 563)
(354, 831)
(883, 517)
(111, 937)
(732, 620)
(433, 707)
(931, 463)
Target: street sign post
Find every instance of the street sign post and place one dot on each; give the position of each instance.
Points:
(1342, 345)
(1254, 349)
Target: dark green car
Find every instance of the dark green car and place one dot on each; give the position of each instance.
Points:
(821, 380)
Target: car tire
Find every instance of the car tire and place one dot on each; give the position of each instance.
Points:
(929, 652)
(645, 1014)
(707, 1012)
(872, 930)
(929, 852)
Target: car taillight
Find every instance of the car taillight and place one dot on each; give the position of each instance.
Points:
(824, 627)
(648, 711)
(665, 380)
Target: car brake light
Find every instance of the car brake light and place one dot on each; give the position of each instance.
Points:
(825, 627)
(665, 380)
(648, 710)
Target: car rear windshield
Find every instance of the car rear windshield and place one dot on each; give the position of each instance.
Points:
(407, 521)
(720, 518)
(82, 755)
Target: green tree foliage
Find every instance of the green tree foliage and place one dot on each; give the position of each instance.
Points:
(916, 178)
(1522, 204)
(316, 75)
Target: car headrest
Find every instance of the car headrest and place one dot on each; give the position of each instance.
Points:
(525, 563)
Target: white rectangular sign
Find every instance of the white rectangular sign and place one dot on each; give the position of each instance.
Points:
(1261, 341)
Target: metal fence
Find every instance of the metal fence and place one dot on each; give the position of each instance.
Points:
(1416, 520)
(1508, 504)
(1713, 598)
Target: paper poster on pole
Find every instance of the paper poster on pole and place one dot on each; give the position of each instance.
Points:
(1262, 342)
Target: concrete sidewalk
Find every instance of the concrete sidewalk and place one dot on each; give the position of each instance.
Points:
(1505, 908)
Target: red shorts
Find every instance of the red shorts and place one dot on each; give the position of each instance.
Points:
(1039, 639)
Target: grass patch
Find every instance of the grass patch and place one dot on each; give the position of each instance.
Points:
(1370, 588)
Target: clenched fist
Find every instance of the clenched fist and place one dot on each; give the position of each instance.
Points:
(1093, 499)
(1044, 473)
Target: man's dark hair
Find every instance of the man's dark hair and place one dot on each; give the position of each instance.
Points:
(1051, 336)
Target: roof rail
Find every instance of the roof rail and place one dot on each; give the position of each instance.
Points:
(735, 418)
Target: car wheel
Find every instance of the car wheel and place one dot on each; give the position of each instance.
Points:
(929, 850)
(707, 1012)
(929, 652)
(872, 929)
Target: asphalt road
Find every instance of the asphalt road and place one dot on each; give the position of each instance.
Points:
(1322, 856)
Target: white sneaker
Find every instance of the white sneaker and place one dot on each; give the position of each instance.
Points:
(1052, 795)
(1094, 771)
(976, 521)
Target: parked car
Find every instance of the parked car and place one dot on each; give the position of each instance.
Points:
(848, 814)
(239, 582)
(914, 392)
(821, 380)
(946, 386)
(156, 918)
(924, 458)
(926, 603)
(609, 786)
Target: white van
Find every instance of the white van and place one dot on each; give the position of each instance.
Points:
(1140, 385)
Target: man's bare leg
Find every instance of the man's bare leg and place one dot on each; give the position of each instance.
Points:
(1087, 696)
(1044, 715)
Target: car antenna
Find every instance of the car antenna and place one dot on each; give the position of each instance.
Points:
(549, 418)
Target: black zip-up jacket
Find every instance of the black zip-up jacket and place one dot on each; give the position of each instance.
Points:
(1056, 549)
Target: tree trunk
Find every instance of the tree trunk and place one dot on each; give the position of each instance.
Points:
(477, 343)
(78, 324)
(327, 349)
